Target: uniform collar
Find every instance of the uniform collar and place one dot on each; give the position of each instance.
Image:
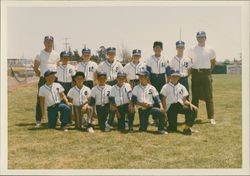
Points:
(171, 84)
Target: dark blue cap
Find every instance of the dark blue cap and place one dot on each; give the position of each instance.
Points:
(79, 74)
(201, 34)
(143, 72)
(111, 50)
(136, 52)
(101, 73)
(66, 54)
(48, 37)
(158, 44)
(180, 44)
(62, 53)
(175, 72)
(49, 72)
(121, 73)
(86, 50)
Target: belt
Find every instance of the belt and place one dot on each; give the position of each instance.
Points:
(54, 105)
(201, 70)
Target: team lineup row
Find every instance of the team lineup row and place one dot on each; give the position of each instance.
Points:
(146, 81)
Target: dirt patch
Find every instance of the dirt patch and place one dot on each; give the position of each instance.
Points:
(13, 84)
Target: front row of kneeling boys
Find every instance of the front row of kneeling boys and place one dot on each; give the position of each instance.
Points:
(120, 99)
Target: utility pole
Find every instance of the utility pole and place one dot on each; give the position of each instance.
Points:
(66, 43)
(180, 34)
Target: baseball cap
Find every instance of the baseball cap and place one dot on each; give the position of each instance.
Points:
(175, 73)
(158, 44)
(49, 37)
(111, 50)
(143, 72)
(121, 73)
(201, 34)
(79, 74)
(49, 72)
(66, 54)
(101, 73)
(86, 50)
(180, 44)
(136, 52)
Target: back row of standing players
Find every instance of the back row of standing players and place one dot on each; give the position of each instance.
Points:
(162, 75)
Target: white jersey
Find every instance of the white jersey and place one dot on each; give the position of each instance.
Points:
(201, 56)
(157, 65)
(65, 72)
(121, 95)
(132, 69)
(88, 68)
(79, 96)
(173, 93)
(110, 69)
(145, 94)
(51, 93)
(181, 64)
(47, 60)
(101, 94)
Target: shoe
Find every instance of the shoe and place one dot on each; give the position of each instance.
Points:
(38, 125)
(65, 128)
(90, 130)
(187, 131)
(162, 132)
(212, 121)
(126, 126)
(194, 131)
(107, 127)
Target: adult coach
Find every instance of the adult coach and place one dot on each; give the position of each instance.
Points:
(204, 60)
(45, 60)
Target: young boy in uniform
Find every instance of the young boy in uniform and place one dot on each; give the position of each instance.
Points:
(146, 96)
(134, 67)
(100, 99)
(120, 96)
(65, 71)
(79, 96)
(51, 95)
(181, 63)
(88, 67)
(174, 100)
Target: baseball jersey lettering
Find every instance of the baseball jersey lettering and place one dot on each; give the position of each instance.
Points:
(65, 73)
(132, 69)
(101, 94)
(88, 68)
(121, 94)
(79, 96)
(181, 64)
(110, 69)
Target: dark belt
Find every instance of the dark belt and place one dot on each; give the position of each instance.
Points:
(201, 70)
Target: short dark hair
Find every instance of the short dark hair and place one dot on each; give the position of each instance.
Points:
(158, 43)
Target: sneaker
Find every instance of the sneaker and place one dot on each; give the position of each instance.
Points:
(194, 131)
(38, 125)
(90, 130)
(212, 121)
(187, 131)
(162, 132)
(126, 126)
(65, 128)
(107, 127)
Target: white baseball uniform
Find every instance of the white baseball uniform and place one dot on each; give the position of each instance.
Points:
(79, 96)
(101, 94)
(110, 69)
(158, 65)
(132, 69)
(181, 64)
(65, 73)
(121, 95)
(88, 68)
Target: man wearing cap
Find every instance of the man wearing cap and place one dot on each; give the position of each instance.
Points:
(174, 101)
(48, 58)
(51, 95)
(111, 66)
(181, 63)
(65, 71)
(203, 61)
(88, 67)
(158, 67)
(134, 67)
(146, 97)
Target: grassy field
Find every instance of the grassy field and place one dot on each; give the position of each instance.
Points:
(217, 146)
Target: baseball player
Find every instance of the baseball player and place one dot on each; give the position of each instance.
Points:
(145, 96)
(88, 67)
(120, 96)
(65, 71)
(100, 99)
(51, 95)
(45, 59)
(80, 96)
(181, 63)
(174, 101)
(204, 60)
(133, 67)
(158, 67)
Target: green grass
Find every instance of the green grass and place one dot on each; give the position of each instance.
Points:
(217, 146)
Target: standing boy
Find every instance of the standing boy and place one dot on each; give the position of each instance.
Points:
(65, 71)
(174, 100)
(88, 67)
(100, 99)
(80, 96)
(146, 96)
(51, 95)
(181, 63)
(120, 96)
(134, 67)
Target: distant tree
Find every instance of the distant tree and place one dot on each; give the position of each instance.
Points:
(226, 62)
(125, 54)
(101, 54)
